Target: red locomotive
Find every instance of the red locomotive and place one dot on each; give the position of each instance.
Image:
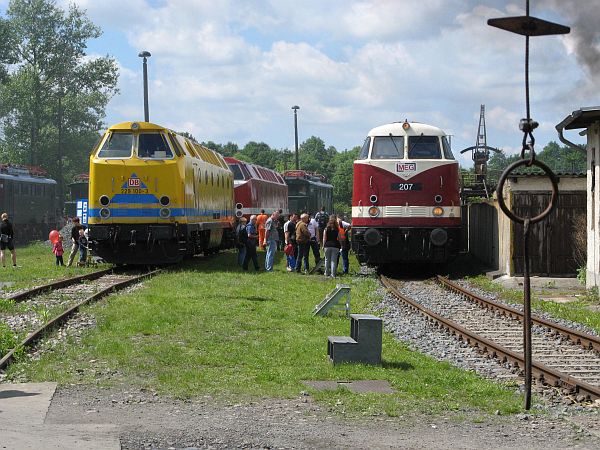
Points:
(257, 188)
(406, 200)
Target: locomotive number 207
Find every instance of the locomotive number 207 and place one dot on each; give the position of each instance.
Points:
(407, 186)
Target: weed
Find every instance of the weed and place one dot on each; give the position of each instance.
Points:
(8, 339)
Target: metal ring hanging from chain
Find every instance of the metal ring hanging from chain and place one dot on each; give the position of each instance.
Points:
(553, 199)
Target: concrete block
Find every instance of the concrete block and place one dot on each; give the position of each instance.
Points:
(364, 343)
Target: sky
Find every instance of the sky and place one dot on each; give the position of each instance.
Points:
(231, 70)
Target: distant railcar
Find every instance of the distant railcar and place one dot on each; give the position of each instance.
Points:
(308, 191)
(257, 188)
(406, 199)
(29, 198)
(156, 196)
(78, 189)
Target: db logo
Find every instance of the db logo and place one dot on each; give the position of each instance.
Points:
(133, 182)
(406, 167)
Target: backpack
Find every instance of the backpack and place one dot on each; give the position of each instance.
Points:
(322, 219)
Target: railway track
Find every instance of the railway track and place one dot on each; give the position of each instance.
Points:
(562, 357)
(35, 312)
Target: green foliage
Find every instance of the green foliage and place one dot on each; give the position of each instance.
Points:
(53, 100)
(8, 340)
(558, 158)
(582, 274)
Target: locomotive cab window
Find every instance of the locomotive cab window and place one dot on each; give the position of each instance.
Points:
(364, 151)
(424, 147)
(153, 146)
(117, 145)
(447, 150)
(388, 147)
(237, 172)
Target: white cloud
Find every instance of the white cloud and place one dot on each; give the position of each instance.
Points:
(231, 70)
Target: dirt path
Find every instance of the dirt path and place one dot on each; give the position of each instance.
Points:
(146, 420)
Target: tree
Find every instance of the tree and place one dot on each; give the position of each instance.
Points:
(54, 98)
(342, 179)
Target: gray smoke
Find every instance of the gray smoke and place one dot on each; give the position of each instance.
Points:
(583, 16)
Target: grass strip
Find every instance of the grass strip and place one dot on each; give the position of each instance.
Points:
(579, 311)
(208, 328)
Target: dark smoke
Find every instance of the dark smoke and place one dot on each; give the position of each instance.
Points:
(583, 16)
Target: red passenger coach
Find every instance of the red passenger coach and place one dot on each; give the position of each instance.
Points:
(406, 201)
(257, 188)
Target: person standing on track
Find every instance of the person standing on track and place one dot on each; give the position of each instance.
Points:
(260, 222)
(271, 238)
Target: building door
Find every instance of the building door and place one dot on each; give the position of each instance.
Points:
(552, 241)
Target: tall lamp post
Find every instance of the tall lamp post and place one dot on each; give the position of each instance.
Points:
(296, 108)
(145, 54)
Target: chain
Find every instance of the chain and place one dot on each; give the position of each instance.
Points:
(527, 126)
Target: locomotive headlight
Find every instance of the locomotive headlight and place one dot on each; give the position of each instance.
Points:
(239, 206)
(438, 211)
(438, 198)
(165, 213)
(406, 125)
(373, 198)
(239, 213)
(105, 213)
(165, 200)
(104, 200)
(135, 126)
(373, 211)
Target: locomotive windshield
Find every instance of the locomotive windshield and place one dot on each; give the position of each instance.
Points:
(424, 147)
(117, 145)
(388, 147)
(153, 146)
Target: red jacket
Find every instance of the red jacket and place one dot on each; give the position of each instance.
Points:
(57, 248)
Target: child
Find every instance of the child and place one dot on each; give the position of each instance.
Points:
(82, 248)
(57, 249)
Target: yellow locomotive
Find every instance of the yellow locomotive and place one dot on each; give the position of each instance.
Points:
(156, 196)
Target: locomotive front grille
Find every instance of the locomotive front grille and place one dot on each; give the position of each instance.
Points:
(407, 211)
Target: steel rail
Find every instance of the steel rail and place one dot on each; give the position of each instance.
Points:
(541, 372)
(35, 335)
(57, 285)
(587, 341)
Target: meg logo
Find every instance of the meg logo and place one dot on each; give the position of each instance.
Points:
(406, 167)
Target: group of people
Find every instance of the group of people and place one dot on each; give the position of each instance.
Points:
(297, 236)
(79, 244)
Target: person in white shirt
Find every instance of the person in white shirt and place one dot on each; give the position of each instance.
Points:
(313, 229)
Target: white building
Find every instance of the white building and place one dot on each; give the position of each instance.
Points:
(588, 119)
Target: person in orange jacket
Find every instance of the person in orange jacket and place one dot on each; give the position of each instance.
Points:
(261, 219)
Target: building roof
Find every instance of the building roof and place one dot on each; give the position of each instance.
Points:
(581, 118)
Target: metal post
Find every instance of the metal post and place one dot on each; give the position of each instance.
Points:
(296, 108)
(145, 54)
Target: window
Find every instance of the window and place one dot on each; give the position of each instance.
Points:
(424, 147)
(153, 146)
(175, 144)
(364, 151)
(388, 147)
(447, 150)
(117, 145)
(237, 172)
